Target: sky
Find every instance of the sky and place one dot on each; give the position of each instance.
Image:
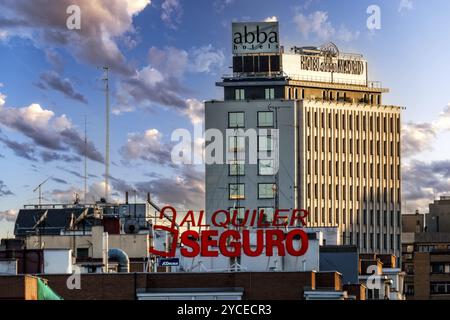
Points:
(164, 58)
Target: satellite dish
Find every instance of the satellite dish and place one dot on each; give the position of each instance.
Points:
(329, 49)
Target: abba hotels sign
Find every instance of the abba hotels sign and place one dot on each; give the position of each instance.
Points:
(255, 37)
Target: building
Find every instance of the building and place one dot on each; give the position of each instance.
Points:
(438, 220)
(338, 145)
(381, 277)
(426, 252)
(413, 223)
(190, 286)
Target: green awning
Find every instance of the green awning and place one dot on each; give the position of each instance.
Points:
(45, 292)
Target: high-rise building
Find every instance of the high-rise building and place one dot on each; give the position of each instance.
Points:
(339, 146)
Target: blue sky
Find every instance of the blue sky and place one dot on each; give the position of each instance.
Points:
(165, 56)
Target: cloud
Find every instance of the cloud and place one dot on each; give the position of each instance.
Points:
(55, 60)
(171, 12)
(8, 215)
(271, 19)
(159, 82)
(220, 5)
(46, 130)
(4, 190)
(419, 137)
(206, 59)
(102, 23)
(51, 80)
(423, 181)
(405, 5)
(58, 180)
(184, 190)
(195, 111)
(48, 156)
(317, 24)
(23, 150)
(147, 147)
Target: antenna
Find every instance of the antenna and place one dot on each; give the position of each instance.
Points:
(85, 159)
(39, 187)
(106, 79)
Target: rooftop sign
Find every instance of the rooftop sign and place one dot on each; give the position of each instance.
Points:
(255, 37)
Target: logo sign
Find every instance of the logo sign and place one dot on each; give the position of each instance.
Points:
(255, 37)
(233, 242)
(169, 262)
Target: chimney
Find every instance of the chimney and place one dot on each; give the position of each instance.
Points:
(126, 197)
(148, 197)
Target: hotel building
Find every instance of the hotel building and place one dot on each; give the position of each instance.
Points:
(339, 146)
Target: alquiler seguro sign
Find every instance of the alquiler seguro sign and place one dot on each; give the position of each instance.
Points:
(234, 238)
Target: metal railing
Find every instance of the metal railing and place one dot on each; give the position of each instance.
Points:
(283, 75)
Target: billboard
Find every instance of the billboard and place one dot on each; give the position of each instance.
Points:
(255, 37)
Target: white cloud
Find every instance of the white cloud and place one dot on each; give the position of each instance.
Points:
(195, 111)
(102, 23)
(405, 5)
(171, 12)
(317, 24)
(419, 137)
(45, 129)
(8, 215)
(205, 59)
(271, 19)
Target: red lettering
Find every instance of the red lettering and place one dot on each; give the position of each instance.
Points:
(276, 217)
(275, 242)
(207, 242)
(224, 244)
(248, 245)
(190, 240)
(300, 215)
(291, 237)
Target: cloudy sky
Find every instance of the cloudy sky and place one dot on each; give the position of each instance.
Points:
(165, 56)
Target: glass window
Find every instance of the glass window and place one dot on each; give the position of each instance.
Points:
(236, 120)
(240, 213)
(265, 143)
(267, 214)
(237, 168)
(270, 93)
(237, 191)
(266, 191)
(239, 94)
(265, 119)
(236, 144)
(266, 167)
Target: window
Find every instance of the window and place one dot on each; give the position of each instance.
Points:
(236, 144)
(265, 119)
(82, 253)
(236, 120)
(266, 167)
(237, 168)
(265, 143)
(237, 191)
(440, 268)
(267, 214)
(239, 94)
(270, 93)
(240, 213)
(266, 191)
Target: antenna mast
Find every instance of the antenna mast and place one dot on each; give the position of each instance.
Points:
(85, 159)
(39, 187)
(106, 79)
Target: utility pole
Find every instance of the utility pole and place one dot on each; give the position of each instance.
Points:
(106, 80)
